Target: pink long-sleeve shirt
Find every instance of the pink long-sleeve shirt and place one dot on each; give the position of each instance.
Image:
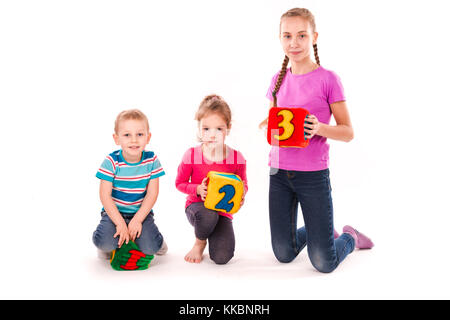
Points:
(194, 167)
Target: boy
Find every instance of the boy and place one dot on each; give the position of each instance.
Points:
(129, 186)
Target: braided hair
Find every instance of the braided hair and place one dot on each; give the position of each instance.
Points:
(295, 12)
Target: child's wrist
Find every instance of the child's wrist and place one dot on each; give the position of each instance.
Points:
(139, 216)
(319, 128)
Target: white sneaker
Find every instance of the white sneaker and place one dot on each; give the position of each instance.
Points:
(163, 249)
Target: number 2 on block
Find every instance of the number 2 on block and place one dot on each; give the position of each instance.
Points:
(286, 124)
(225, 204)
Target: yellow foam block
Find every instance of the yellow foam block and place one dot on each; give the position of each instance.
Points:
(225, 192)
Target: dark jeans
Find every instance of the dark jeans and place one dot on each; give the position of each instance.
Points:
(313, 190)
(208, 224)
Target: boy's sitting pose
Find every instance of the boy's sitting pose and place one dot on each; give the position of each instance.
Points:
(129, 185)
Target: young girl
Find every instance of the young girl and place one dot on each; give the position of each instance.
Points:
(214, 123)
(302, 175)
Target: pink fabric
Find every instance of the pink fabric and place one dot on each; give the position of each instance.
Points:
(194, 167)
(361, 240)
(314, 91)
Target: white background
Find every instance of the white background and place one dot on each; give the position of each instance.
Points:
(68, 67)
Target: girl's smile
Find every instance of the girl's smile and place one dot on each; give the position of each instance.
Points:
(297, 38)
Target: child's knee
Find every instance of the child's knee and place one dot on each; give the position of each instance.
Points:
(150, 245)
(103, 243)
(322, 263)
(283, 252)
(221, 257)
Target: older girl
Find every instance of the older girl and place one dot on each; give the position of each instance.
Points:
(302, 175)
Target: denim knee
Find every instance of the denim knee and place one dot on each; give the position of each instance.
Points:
(150, 246)
(102, 243)
(322, 263)
(283, 253)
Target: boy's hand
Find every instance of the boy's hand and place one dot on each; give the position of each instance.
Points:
(122, 232)
(202, 189)
(134, 229)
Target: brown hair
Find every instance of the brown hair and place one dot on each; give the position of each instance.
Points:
(302, 13)
(132, 114)
(214, 104)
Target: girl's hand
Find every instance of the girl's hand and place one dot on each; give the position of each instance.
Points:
(312, 127)
(243, 200)
(202, 189)
(122, 232)
(134, 229)
(263, 124)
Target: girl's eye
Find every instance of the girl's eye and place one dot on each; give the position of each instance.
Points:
(219, 129)
(205, 129)
(140, 134)
(126, 134)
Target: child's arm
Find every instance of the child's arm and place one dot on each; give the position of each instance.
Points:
(343, 129)
(112, 211)
(263, 124)
(135, 225)
(184, 173)
(242, 172)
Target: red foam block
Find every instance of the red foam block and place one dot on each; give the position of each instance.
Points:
(286, 127)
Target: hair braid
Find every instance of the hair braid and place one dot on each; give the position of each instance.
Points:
(316, 54)
(280, 78)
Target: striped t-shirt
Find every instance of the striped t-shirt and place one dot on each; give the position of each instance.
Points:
(129, 180)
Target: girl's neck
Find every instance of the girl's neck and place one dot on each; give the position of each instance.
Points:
(216, 153)
(303, 67)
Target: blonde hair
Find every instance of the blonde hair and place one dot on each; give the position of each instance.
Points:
(132, 114)
(214, 104)
(305, 14)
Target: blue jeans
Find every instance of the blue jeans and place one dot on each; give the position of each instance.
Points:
(149, 242)
(313, 190)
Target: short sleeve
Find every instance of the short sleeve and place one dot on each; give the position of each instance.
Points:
(271, 87)
(107, 170)
(157, 169)
(335, 90)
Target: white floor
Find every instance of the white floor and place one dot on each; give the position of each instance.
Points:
(379, 273)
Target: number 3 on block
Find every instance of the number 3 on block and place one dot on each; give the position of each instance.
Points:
(285, 124)
(286, 127)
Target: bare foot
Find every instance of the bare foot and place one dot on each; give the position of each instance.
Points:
(196, 253)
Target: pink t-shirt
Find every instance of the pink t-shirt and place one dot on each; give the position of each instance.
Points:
(194, 167)
(314, 91)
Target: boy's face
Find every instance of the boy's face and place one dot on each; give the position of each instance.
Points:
(132, 136)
